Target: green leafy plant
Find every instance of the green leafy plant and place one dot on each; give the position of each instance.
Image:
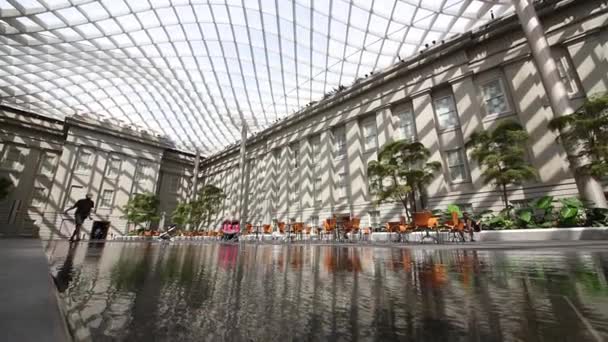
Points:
(202, 210)
(142, 208)
(501, 154)
(501, 220)
(5, 187)
(572, 212)
(586, 132)
(538, 214)
(596, 217)
(401, 172)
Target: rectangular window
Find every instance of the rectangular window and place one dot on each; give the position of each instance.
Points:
(456, 165)
(107, 197)
(370, 136)
(47, 164)
(494, 97)
(143, 172)
(113, 169)
(566, 72)
(316, 192)
(84, 161)
(445, 109)
(341, 185)
(295, 154)
(76, 193)
(339, 143)
(407, 125)
(174, 182)
(38, 197)
(13, 158)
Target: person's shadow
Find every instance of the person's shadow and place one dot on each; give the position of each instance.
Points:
(65, 274)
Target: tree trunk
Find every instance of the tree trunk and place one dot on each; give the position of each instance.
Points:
(504, 194)
(413, 194)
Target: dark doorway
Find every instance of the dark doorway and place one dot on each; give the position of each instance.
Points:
(100, 230)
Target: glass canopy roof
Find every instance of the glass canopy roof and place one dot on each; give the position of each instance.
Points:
(196, 70)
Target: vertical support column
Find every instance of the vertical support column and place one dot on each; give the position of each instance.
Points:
(192, 197)
(588, 187)
(244, 176)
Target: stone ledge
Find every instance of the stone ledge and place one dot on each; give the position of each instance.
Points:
(545, 234)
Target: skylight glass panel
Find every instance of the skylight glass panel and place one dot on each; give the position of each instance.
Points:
(147, 62)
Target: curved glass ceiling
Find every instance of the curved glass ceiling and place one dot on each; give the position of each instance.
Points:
(196, 70)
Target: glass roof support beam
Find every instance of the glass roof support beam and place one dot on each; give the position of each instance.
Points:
(588, 187)
(244, 178)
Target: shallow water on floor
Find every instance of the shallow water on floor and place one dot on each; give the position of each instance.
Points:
(221, 292)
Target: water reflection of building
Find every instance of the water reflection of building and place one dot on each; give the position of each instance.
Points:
(321, 292)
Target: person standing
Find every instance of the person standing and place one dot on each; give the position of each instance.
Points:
(83, 210)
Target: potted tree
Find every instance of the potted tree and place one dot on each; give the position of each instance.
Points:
(586, 132)
(141, 209)
(401, 172)
(501, 154)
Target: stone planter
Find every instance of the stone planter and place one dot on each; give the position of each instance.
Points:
(545, 234)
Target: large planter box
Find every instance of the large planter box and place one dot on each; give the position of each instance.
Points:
(545, 234)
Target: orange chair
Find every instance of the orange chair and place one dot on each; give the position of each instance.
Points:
(329, 225)
(267, 229)
(456, 226)
(425, 221)
(281, 227)
(249, 228)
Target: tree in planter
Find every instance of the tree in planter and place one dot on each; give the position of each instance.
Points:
(142, 208)
(5, 187)
(586, 132)
(401, 172)
(206, 206)
(501, 154)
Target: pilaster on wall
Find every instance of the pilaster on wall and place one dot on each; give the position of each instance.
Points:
(384, 125)
(427, 133)
(325, 169)
(468, 106)
(356, 167)
(306, 174)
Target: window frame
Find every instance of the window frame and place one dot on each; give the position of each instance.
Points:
(340, 150)
(341, 186)
(89, 164)
(438, 116)
(102, 199)
(113, 158)
(51, 171)
(463, 161)
(316, 201)
(34, 198)
(503, 92)
(4, 158)
(412, 120)
(366, 125)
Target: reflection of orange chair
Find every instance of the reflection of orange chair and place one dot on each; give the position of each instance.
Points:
(298, 229)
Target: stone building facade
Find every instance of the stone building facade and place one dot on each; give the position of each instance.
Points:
(313, 164)
(53, 163)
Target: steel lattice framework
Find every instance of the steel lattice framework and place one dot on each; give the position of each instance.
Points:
(195, 71)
